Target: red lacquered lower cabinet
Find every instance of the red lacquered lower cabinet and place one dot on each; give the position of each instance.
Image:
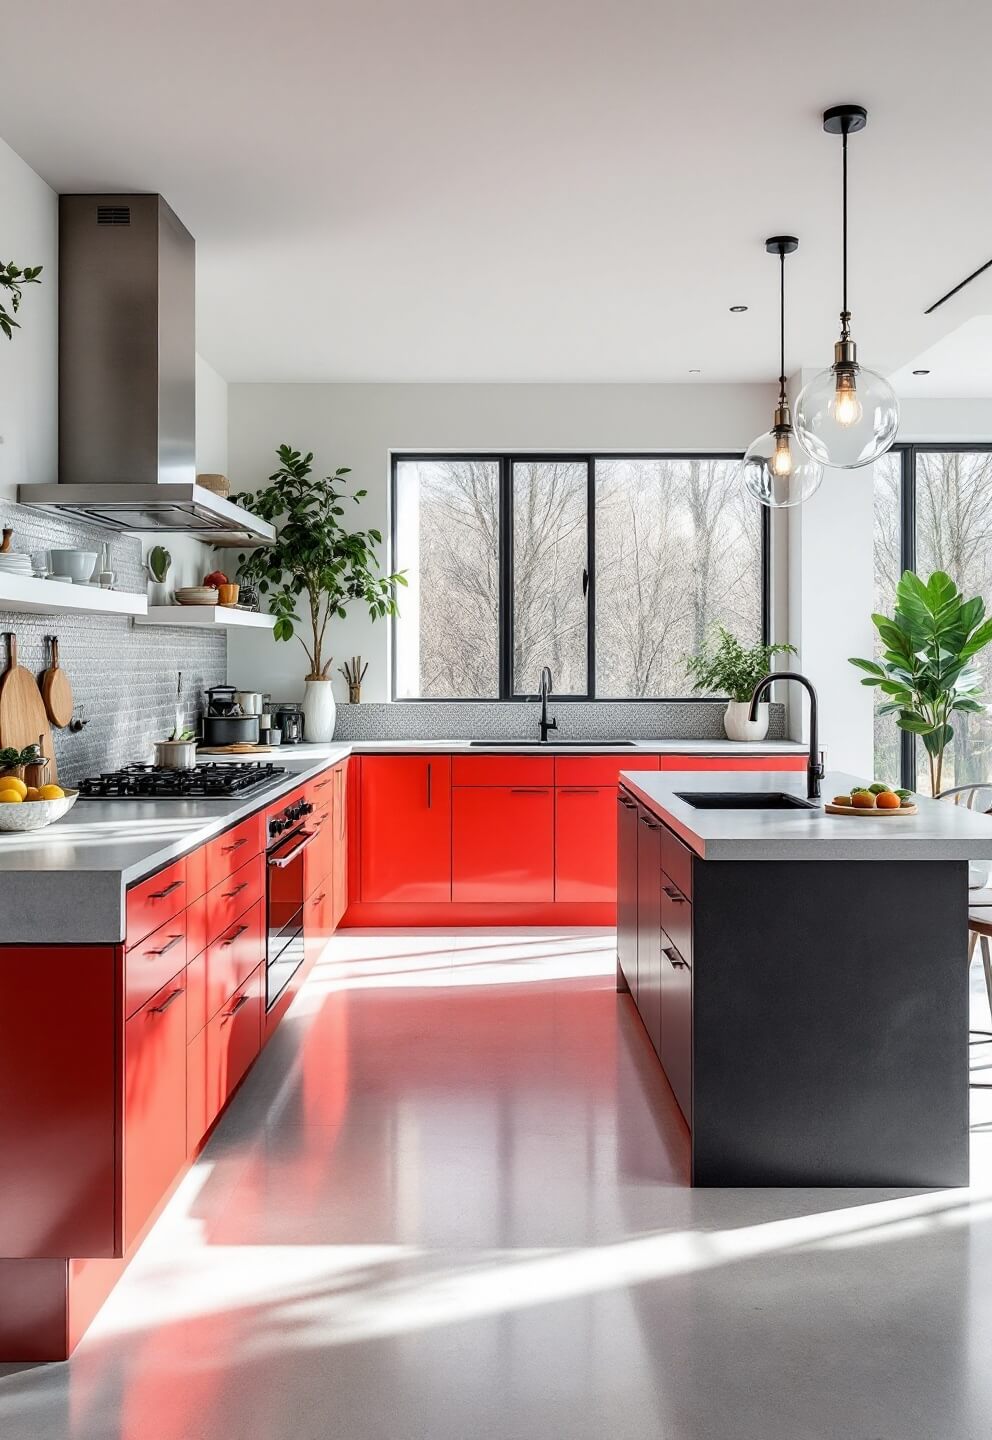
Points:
(503, 843)
(406, 828)
(339, 857)
(317, 920)
(234, 955)
(154, 1102)
(234, 1038)
(586, 843)
(197, 1120)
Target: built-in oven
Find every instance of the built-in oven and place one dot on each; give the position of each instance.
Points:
(285, 892)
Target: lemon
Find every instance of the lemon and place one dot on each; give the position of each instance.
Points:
(51, 792)
(11, 782)
(11, 797)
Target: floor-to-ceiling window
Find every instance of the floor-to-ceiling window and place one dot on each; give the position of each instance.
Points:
(609, 569)
(933, 511)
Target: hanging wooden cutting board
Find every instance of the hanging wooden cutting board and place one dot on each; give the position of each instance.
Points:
(23, 717)
(56, 690)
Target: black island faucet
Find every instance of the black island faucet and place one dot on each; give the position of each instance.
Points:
(814, 768)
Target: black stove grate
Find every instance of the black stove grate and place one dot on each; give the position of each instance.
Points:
(150, 782)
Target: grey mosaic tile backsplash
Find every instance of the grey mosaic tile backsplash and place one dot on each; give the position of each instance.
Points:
(123, 677)
(607, 719)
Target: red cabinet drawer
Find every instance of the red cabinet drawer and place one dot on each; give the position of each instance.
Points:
(502, 770)
(235, 894)
(234, 1038)
(733, 762)
(318, 857)
(317, 920)
(153, 901)
(196, 927)
(586, 843)
(154, 1103)
(197, 1014)
(155, 960)
(196, 873)
(232, 849)
(502, 842)
(197, 1122)
(598, 769)
(320, 792)
(405, 852)
(234, 955)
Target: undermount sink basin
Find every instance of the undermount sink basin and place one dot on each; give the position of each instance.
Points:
(553, 744)
(744, 800)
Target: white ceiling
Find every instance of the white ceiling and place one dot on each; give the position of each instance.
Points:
(533, 189)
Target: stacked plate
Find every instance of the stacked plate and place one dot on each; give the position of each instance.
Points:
(13, 562)
(197, 595)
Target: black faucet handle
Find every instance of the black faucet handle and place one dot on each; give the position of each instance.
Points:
(552, 724)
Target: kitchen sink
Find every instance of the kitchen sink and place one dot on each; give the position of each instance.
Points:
(744, 800)
(554, 744)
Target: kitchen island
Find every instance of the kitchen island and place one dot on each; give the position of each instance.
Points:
(803, 977)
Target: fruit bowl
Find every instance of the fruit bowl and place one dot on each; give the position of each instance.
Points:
(35, 814)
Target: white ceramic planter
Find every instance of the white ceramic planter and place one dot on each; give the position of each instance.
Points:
(739, 727)
(319, 711)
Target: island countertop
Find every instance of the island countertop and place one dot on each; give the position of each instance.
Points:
(941, 830)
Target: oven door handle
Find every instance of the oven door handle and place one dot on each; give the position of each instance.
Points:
(279, 862)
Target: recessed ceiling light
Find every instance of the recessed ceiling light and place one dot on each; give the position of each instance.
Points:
(695, 372)
(921, 372)
(737, 309)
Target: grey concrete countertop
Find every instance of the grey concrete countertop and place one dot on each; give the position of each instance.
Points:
(941, 831)
(721, 748)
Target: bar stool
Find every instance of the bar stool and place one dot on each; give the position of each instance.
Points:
(979, 911)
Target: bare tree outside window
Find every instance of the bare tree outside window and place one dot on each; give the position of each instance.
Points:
(678, 549)
(447, 540)
(888, 567)
(550, 531)
(954, 534)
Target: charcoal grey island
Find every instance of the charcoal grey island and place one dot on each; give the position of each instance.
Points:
(802, 977)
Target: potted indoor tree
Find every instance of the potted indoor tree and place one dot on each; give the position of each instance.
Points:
(926, 669)
(726, 667)
(314, 565)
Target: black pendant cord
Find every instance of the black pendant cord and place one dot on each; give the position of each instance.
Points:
(781, 338)
(845, 318)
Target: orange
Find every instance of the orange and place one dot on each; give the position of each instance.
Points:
(863, 800)
(888, 800)
(11, 782)
(51, 792)
(11, 797)
(32, 793)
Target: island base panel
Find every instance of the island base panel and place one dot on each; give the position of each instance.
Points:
(830, 1024)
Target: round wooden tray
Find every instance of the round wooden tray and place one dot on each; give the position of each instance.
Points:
(832, 809)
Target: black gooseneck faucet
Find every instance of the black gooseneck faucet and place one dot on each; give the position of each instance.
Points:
(546, 724)
(814, 769)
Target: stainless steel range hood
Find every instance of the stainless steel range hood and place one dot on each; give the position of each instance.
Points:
(127, 376)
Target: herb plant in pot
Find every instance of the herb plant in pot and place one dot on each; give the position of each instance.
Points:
(314, 565)
(725, 667)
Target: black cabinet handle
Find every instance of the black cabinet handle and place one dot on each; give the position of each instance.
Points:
(161, 894)
(578, 790)
(527, 790)
(241, 1001)
(227, 849)
(230, 894)
(174, 940)
(651, 824)
(674, 895)
(674, 958)
(627, 804)
(231, 938)
(429, 769)
(170, 1000)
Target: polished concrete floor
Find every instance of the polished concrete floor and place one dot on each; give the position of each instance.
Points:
(450, 1201)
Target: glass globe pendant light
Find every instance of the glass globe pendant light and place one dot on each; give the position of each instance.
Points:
(776, 469)
(848, 415)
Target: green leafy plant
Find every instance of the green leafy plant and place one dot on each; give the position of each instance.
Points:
(13, 279)
(726, 667)
(315, 563)
(11, 759)
(158, 562)
(926, 670)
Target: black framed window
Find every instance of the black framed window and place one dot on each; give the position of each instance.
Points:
(608, 568)
(933, 511)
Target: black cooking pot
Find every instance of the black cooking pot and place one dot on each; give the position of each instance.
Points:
(230, 729)
(221, 700)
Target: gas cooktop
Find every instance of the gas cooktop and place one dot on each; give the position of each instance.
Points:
(202, 782)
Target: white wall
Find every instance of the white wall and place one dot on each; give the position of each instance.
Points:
(29, 362)
(358, 425)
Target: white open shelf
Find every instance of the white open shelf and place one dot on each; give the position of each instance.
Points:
(24, 593)
(204, 615)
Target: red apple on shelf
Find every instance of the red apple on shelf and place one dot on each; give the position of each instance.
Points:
(215, 578)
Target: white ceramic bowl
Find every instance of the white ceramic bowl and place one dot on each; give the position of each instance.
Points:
(35, 814)
(77, 565)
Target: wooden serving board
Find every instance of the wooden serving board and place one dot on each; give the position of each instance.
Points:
(56, 691)
(238, 748)
(23, 717)
(850, 810)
